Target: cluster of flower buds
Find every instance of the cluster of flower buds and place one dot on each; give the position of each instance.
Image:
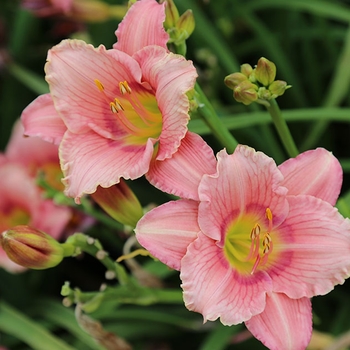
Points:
(178, 27)
(256, 84)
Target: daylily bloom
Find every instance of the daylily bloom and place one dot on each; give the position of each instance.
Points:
(111, 111)
(22, 203)
(253, 241)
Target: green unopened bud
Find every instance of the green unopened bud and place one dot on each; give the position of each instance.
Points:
(246, 92)
(265, 71)
(186, 23)
(246, 69)
(234, 79)
(171, 14)
(31, 248)
(278, 87)
(120, 203)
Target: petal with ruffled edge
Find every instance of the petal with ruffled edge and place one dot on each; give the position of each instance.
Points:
(180, 175)
(311, 250)
(170, 76)
(41, 119)
(317, 173)
(30, 151)
(167, 230)
(246, 182)
(142, 26)
(284, 324)
(212, 288)
(89, 160)
(71, 71)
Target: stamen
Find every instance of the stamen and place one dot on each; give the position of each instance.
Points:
(124, 87)
(99, 85)
(267, 245)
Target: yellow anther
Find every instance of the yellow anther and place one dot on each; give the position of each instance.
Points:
(255, 232)
(269, 214)
(124, 87)
(113, 107)
(99, 85)
(118, 104)
(266, 240)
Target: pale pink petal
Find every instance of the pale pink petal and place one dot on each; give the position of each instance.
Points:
(284, 324)
(317, 173)
(170, 76)
(214, 289)
(89, 160)
(51, 218)
(62, 5)
(8, 264)
(142, 26)
(247, 182)
(40, 118)
(30, 151)
(167, 230)
(180, 175)
(71, 70)
(311, 249)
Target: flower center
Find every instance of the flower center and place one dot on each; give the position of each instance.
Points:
(13, 216)
(245, 251)
(137, 112)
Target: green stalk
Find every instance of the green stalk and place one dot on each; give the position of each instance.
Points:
(213, 121)
(282, 128)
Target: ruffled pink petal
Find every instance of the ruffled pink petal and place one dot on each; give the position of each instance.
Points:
(284, 324)
(246, 182)
(317, 173)
(170, 76)
(40, 118)
(167, 230)
(89, 160)
(29, 151)
(312, 249)
(71, 71)
(212, 288)
(142, 26)
(180, 175)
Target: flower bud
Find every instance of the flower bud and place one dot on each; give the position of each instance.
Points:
(186, 23)
(246, 69)
(31, 248)
(278, 87)
(245, 92)
(265, 72)
(120, 203)
(234, 79)
(171, 14)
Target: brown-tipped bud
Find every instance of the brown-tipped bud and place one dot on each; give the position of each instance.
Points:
(120, 203)
(186, 23)
(246, 92)
(265, 71)
(278, 87)
(234, 79)
(31, 248)
(246, 69)
(171, 14)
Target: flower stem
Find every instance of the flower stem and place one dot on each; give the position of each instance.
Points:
(93, 247)
(213, 121)
(282, 128)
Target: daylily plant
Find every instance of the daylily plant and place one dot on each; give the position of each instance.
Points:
(111, 111)
(253, 241)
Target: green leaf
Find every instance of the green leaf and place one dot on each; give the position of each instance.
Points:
(17, 324)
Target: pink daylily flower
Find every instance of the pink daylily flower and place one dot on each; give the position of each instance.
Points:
(253, 241)
(111, 111)
(21, 200)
